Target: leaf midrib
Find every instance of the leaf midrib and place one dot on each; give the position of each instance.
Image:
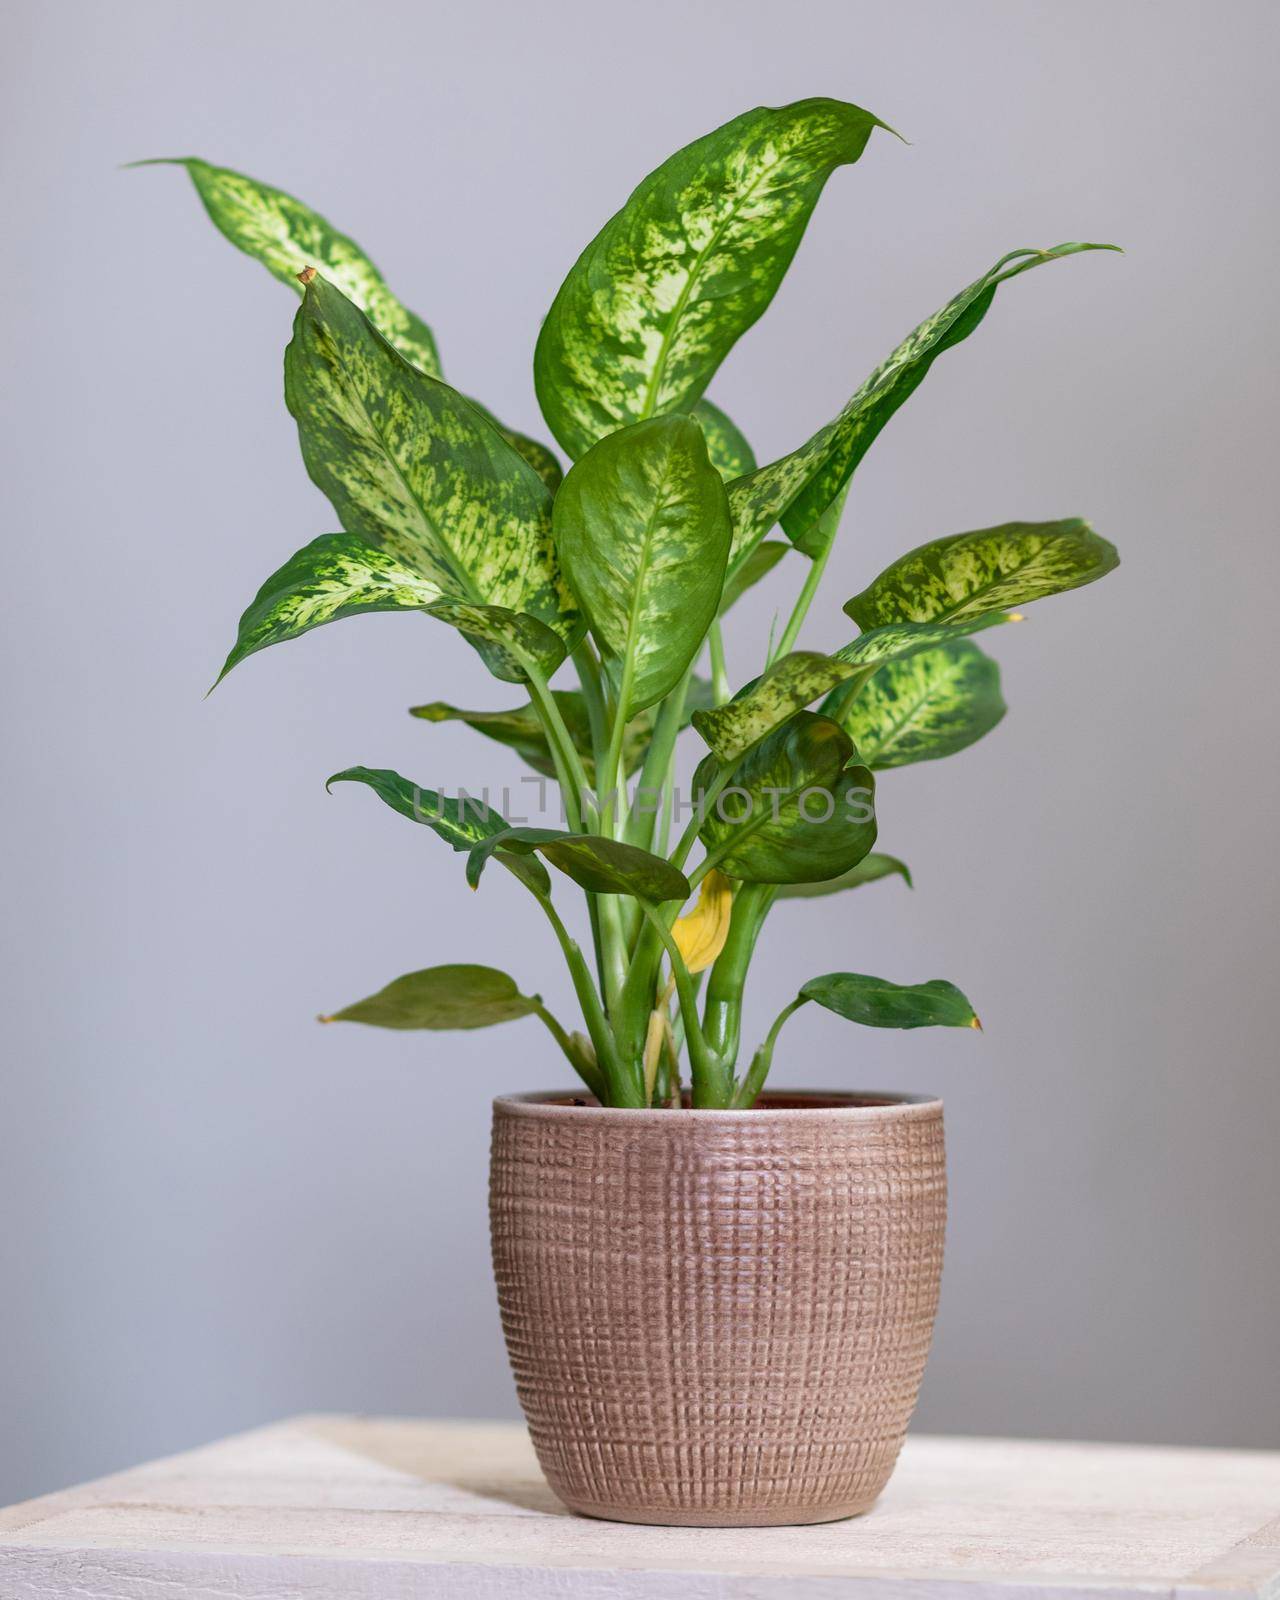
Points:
(898, 724)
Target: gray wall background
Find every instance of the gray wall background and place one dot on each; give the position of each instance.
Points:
(215, 1212)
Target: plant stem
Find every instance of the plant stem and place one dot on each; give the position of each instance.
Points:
(719, 672)
(722, 1015)
(658, 761)
(786, 643)
(622, 1085)
(593, 1081)
(568, 764)
(588, 665)
(710, 1088)
(750, 1087)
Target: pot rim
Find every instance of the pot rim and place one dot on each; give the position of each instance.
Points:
(547, 1103)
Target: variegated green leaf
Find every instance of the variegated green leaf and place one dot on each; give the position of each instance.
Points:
(336, 575)
(967, 574)
(599, 864)
(798, 488)
(869, 870)
(413, 468)
(877, 1003)
(543, 461)
(757, 563)
(287, 236)
(928, 705)
(453, 997)
(727, 446)
(796, 810)
(642, 527)
(797, 680)
(462, 823)
(521, 730)
(510, 643)
(661, 294)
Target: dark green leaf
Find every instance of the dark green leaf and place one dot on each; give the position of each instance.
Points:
(642, 527)
(521, 730)
(869, 870)
(795, 811)
(967, 574)
(877, 1003)
(450, 997)
(661, 294)
(462, 823)
(604, 866)
(727, 446)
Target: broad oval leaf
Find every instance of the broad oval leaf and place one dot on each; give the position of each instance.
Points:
(967, 574)
(662, 293)
(727, 445)
(413, 468)
(798, 808)
(802, 677)
(798, 488)
(449, 997)
(603, 866)
(869, 870)
(287, 236)
(928, 705)
(462, 823)
(336, 575)
(642, 527)
(877, 1003)
(510, 643)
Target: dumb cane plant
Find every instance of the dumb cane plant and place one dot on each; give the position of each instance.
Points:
(624, 568)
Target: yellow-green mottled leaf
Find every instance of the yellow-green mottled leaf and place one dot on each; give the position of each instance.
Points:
(287, 236)
(452, 997)
(662, 293)
(462, 822)
(543, 461)
(969, 573)
(869, 870)
(925, 706)
(799, 487)
(510, 642)
(642, 527)
(336, 575)
(877, 1003)
(797, 680)
(596, 863)
(727, 446)
(797, 809)
(413, 468)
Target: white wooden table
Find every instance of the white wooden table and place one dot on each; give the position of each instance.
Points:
(344, 1508)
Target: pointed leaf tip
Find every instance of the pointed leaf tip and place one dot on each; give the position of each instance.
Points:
(306, 275)
(976, 1023)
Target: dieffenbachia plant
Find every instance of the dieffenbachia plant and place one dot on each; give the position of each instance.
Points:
(621, 570)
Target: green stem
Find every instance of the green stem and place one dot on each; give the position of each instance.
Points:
(829, 525)
(722, 1016)
(593, 1080)
(749, 1089)
(588, 665)
(568, 763)
(623, 1089)
(710, 1087)
(658, 765)
(719, 672)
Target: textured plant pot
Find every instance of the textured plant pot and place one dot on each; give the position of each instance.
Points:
(718, 1318)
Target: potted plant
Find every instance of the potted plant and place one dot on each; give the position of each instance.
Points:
(717, 1300)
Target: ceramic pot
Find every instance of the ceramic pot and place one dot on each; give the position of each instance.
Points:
(718, 1318)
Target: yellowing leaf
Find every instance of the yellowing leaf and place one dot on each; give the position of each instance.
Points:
(700, 934)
